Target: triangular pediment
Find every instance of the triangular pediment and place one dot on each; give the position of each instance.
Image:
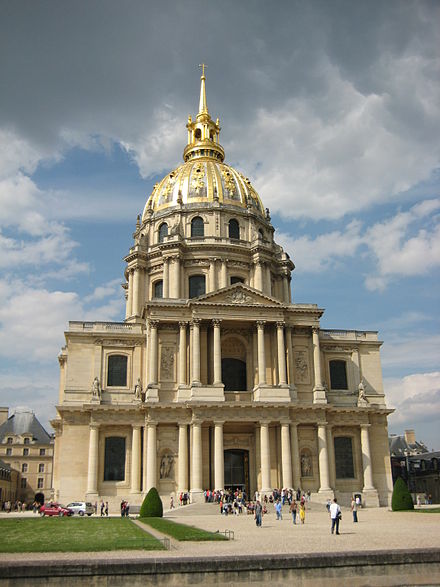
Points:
(238, 295)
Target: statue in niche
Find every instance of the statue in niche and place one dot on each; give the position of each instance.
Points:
(362, 398)
(138, 390)
(306, 465)
(167, 362)
(96, 389)
(301, 366)
(166, 466)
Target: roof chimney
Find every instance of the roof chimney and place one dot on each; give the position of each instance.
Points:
(4, 412)
(410, 436)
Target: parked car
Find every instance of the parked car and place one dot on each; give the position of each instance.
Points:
(55, 509)
(81, 508)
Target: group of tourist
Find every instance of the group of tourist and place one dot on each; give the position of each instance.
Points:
(104, 509)
(125, 509)
(19, 506)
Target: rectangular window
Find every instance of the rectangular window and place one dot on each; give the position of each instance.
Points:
(23, 483)
(42, 452)
(25, 452)
(8, 452)
(9, 440)
(24, 468)
(41, 468)
(114, 459)
(196, 286)
(344, 457)
(40, 483)
(117, 371)
(338, 375)
(27, 441)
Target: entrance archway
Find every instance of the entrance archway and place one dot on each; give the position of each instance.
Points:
(237, 469)
(39, 498)
(234, 374)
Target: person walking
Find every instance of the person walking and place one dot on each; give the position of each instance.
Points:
(279, 509)
(354, 509)
(335, 515)
(293, 510)
(106, 509)
(102, 508)
(258, 514)
(302, 512)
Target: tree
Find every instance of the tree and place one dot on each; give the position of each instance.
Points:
(152, 505)
(401, 499)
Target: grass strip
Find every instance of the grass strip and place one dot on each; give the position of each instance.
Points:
(181, 532)
(427, 510)
(73, 535)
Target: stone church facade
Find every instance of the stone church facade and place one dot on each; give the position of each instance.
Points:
(216, 379)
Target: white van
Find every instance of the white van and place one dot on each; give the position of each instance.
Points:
(82, 507)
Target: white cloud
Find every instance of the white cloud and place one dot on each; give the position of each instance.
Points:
(32, 319)
(397, 245)
(416, 351)
(416, 399)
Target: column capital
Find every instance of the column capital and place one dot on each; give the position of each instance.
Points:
(151, 423)
(183, 324)
(196, 421)
(285, 422)
(195, 322)
(315, 329)
(94, 426)
(365, 425)
(136, 426)
(265, 422)
(153, 323)
(219, 422)
(260, 324)
(216, 322)
(281, 324)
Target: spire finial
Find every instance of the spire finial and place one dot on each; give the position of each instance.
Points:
(203, 106)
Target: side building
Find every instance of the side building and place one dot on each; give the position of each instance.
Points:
(216, 379)
(28, 449)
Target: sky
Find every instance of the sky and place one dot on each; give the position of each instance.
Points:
(331, 108)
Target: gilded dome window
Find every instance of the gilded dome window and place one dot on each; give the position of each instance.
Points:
(163, 232)
(234, 229)
(197, 227)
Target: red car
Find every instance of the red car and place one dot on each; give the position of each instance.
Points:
(55, 509)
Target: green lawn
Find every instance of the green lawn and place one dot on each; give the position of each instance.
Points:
(181, 532)
(428, 510)
(73, 535)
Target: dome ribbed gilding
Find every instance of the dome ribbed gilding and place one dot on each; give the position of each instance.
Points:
(204, 181)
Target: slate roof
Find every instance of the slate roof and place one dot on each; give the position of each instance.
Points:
(24, 421)
(398, 446)
(4, 466)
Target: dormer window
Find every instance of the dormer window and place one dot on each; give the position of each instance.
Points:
(27, 441)
(9, 441)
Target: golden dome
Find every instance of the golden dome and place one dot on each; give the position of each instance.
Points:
(203, 178)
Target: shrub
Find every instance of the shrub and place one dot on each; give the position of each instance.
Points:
(152, 505)
(401, 499)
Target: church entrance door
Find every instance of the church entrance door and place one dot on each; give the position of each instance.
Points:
(237, 470)
(234, 374)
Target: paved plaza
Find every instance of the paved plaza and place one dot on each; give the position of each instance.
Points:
(378, 529)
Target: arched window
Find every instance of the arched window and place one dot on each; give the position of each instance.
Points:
(236, 279)
(158, 289)
(198, 134)
(163, 231)
(234, 229)
(196, 286)
(197, 227)
(114, 458)
(117, 371)
(260, 234)
(338, 375)
(344, 457)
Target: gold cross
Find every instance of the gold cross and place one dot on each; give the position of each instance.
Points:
(202, 65)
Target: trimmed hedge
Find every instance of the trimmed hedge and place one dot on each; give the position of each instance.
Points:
(401, 499)
(152, 505)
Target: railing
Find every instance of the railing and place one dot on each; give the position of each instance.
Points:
(228, 534)
(75, 326)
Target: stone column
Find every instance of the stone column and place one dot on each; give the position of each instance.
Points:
(331, 457)
(290, 363)
(153, 351)
(219, 458)
(258, 276)
(196, 460)
(217, 353)
(286, 456)
(183, 458)
(136, 459)
(182, 353)
(129, 311)
(366, 458)
(92, 474)
(151, 456)
(295, 455)
(212, 283)
(223, 274)
(323, 459)
(286, 294)
(281, 355)
(195, 324)
(136, 292)
(268, 281)
(319, 396)
(261, 353)
(166, 278)
(175, 282)
(265, 457)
